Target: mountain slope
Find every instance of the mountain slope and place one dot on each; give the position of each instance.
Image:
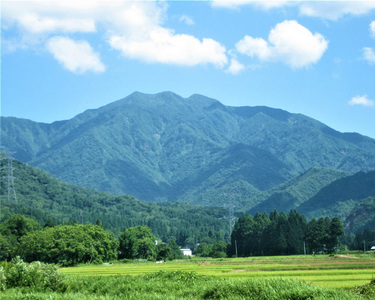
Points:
(42, 196)
(164, 147)
(362, 216)
(294, 192)
(341, 196)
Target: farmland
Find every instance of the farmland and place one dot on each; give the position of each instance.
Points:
(277, 277)
(339, 271)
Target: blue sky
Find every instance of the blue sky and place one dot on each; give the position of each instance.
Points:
(59, 58)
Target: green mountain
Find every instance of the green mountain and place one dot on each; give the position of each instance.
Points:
(42, 197)
(167, 148)
(294, 192)
(362, 216)
(340, 197)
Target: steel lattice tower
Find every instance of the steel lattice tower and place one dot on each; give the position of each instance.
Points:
(11, 196)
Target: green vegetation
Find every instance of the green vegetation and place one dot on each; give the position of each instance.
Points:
(46, 199)
(340, 197)
(280, 234)
(166, 148)
(183, 280)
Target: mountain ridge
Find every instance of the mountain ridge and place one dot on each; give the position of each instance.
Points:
(151, 146)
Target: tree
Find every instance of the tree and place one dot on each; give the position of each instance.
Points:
(12, 230)
(69, 245)
(175, 251)
(18, 226)
(137, 242)
(163, 251)
(335, 231)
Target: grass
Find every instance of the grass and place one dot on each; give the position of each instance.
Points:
(268, 278)
(324, 271)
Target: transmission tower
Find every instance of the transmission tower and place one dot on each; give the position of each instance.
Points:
(229, 205)
(12, 197)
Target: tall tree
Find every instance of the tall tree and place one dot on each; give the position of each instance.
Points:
(137, 242)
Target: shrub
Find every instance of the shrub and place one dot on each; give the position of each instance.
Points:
(37, 275)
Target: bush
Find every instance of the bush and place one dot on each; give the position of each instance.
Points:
(36, 275)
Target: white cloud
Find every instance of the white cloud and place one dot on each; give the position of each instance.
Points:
(289, 42)
(369, 55)
(372, 29)
(133, 27)
(186, 19)
(163, 46)
(331, 10)
(361, 100)
(235, 67)
(334, 10)
(254, 47)
(76, 56)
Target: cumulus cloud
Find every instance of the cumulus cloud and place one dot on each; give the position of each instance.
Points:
(361, 100)
(289, 42)
(75, 56)
(235, 67)
(369, 55)
(135, 28)
(163, 46)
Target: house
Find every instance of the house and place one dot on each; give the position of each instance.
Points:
(186, 252)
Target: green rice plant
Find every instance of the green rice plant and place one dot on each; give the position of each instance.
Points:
(272, 289)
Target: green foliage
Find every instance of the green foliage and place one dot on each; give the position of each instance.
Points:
(296, 191)
(215, 250)
(69, 245)
(50, 201)
(362, 216)
(163, 147)
(340, 197)
(137, 242)
(36, 275)
(366, 291)
(268, 289)
(276, 234)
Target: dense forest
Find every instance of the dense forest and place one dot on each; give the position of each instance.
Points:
(42, 197)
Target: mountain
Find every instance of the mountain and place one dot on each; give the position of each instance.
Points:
(294, 192)
(362, 216)
(167, 148)
(42, 197)
(341, 196)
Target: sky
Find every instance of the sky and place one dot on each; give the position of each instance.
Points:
(317, 58)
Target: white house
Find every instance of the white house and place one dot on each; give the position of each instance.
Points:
(186, 252)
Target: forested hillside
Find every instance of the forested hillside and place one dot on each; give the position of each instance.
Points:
(294, 192)
(341, 196)
(43, 197)
(167, 148)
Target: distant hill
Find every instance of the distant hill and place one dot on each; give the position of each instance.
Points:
(294, 192)
(167, 148)
(362, 216)
(43, 197)
(340, 197)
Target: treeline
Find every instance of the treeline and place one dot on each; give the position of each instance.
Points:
(72, 244)
(40, 196)
(284, 234)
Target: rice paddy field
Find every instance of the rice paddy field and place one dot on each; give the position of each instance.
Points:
(339, 277)
(339, 271)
